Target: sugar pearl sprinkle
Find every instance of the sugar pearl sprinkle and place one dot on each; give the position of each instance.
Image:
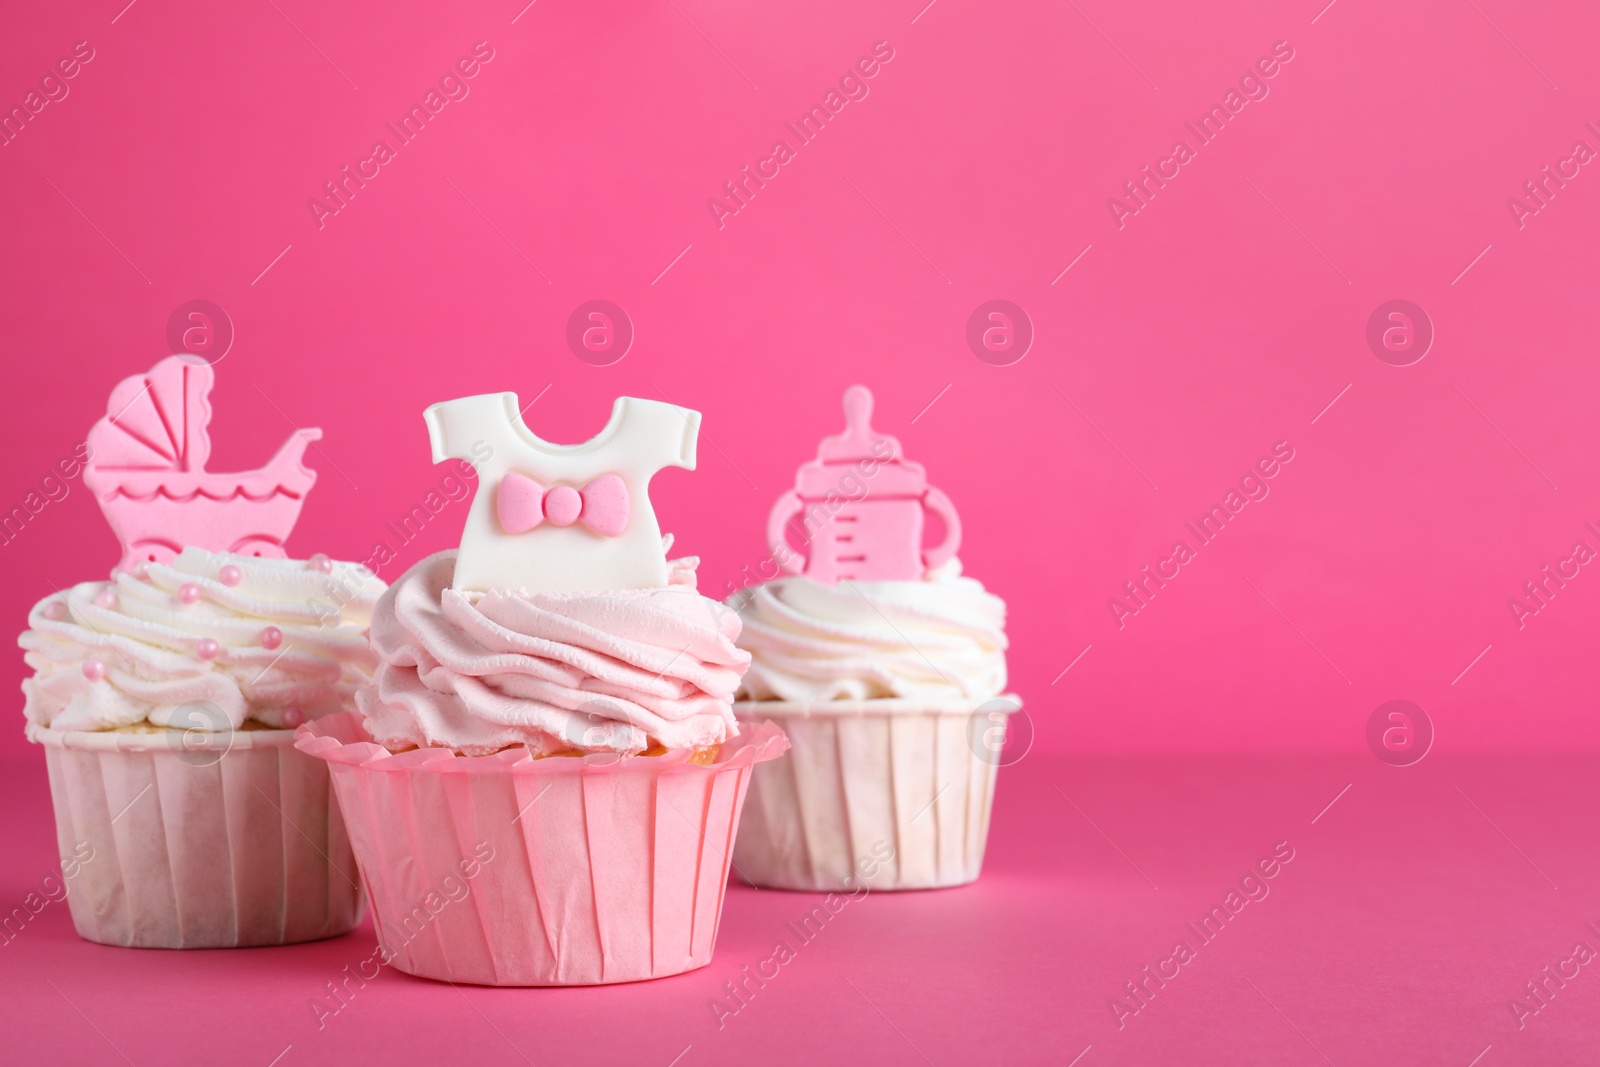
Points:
(230, 575)
(320, 563)
(94, 670)
(208, 648)
(188, 593)
(141, 570)
(55, 611)
(106, 598)
(293, 717)
(271, 637)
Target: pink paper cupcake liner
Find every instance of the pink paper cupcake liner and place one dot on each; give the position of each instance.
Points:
(894, 794)
(236, 845)
(513, 871)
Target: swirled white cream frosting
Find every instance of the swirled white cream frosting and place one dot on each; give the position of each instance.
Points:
(606, 671)
(942, 638)
(284, 643)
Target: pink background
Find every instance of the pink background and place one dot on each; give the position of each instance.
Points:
(1228, 314)
(978, 167)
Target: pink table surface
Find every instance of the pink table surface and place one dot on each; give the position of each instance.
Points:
(1416, 906)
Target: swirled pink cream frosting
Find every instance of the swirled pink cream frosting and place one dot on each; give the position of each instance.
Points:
(276, 641)
(942, 638)
(616, 671)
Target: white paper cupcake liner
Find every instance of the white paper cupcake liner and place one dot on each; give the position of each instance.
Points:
(514, 871)
(893, 794)
(236, 845)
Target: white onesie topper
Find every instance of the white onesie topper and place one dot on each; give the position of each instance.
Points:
(562, 518)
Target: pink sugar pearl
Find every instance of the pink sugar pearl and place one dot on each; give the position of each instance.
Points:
(55, 611)
(321, 563)
(141, 570)
(271, 637)
(293, 717)
(106, 598)
(208, 648)
(188, 593)
(94, 670)
(230, 575)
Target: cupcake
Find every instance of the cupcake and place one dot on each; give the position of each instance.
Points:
(545, 775)
(166, 698)
(884, 666)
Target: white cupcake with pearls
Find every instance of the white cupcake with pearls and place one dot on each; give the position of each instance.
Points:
(268, 642)
(166, 700)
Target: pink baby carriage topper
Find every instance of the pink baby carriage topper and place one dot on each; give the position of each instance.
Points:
(147, 469)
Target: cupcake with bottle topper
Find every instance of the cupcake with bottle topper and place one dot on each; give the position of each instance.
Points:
(545, 777)
(886, 669)
(166, 698)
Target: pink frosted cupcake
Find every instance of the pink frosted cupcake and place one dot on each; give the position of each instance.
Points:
(886, 669)
(166, 698)
(545, 777)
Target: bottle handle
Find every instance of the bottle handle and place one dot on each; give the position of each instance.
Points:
(787, 507)
(935, 501)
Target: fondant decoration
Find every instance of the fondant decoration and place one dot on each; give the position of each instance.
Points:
(147, 469)
(530, 527)
(861, 505)
(521, 504)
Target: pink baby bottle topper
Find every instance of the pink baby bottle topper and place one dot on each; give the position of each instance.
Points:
(862, 506)
(147, 469)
